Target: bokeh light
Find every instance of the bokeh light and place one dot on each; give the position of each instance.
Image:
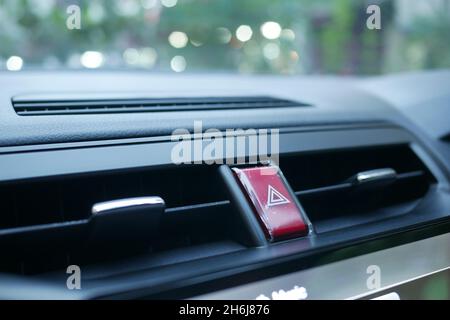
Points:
(244, 33)
(14, 63)
(271, 30)
(178, 39)
(92, 59)
(224, 35)
(271, 51)
(178, 63)
(148, 57)
(131, 56)
(264, 36)
(288, 34)
(169, 3)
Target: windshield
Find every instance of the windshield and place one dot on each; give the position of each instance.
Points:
(342, 37)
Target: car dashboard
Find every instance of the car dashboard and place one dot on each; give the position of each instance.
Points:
(367, 160)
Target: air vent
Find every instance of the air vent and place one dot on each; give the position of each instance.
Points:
(46, 224)
(32, 107)
(71, 198)
(446, 137)
(344, 188)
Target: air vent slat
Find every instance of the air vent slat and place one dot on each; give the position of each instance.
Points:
(61, 107)
(331, 198)
(347, 185)
(71, 198)
(55, 216)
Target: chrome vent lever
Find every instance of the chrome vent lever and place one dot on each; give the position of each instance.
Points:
(125, 220)
(372, 178)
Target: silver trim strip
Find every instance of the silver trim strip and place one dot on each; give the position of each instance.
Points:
(359, 296)
(389, 296)
(347, 279)
(126, 203)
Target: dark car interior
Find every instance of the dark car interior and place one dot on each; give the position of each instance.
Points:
(87, 179)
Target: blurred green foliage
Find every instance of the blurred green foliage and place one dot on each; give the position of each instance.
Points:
(330, 36)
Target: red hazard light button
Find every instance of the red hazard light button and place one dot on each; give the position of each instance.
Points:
(274, 205)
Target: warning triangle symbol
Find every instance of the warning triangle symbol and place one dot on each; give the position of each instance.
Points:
(274, 197)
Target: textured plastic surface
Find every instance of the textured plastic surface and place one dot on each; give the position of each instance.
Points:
(342, 103)
(273, 202)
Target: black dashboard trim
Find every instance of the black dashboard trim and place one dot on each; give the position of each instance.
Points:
(155, 281)
(22, 165)
(128, 141)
